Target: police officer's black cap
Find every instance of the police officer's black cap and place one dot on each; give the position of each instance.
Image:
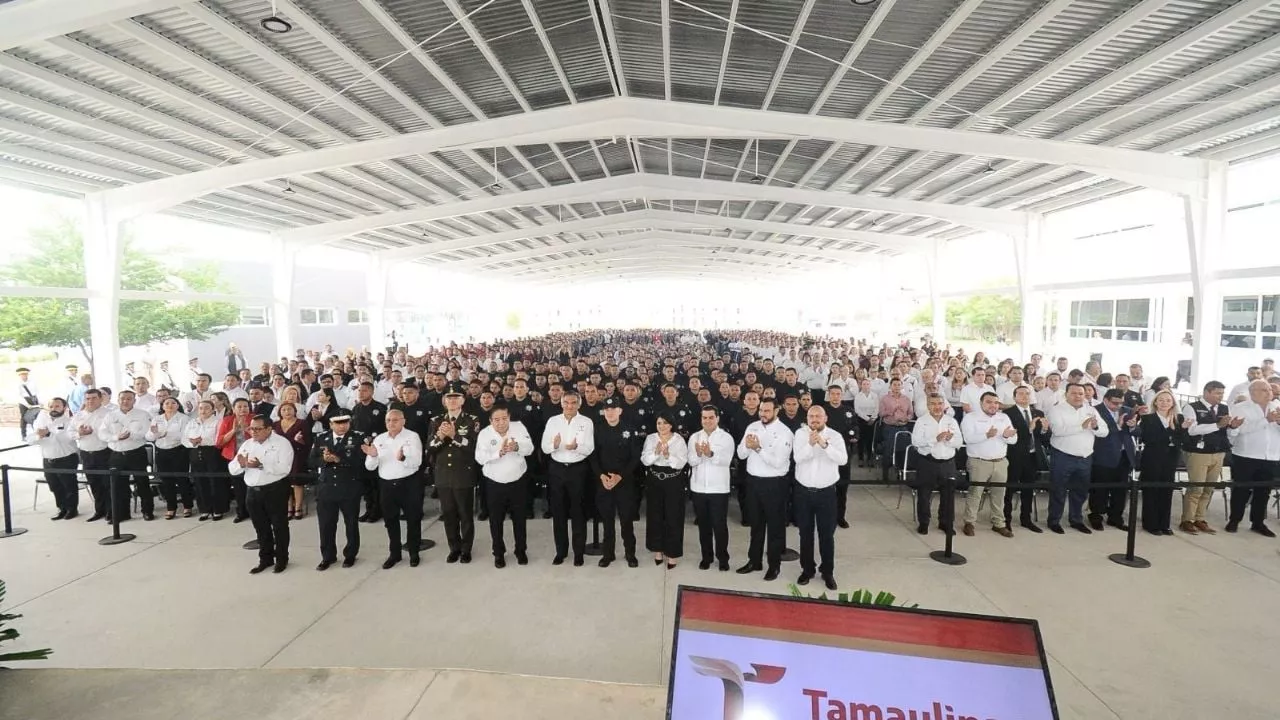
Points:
(22, 369)
(612, 402)
(410, 383)
(455, 388)
(339, 419)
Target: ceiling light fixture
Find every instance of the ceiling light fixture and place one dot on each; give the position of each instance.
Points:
(288, 188)
(989, 170)
(274, 23)
(863, 2)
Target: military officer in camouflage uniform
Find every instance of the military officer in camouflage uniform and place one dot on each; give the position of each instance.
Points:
(451, 451)
(339, 460)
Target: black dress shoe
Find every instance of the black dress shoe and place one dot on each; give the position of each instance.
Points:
(499, 562)
(578, 561)
(240, 519)
(482, 516)
(62, 514)
(804, 578)
(324, 565)
(414, 560)
(557, 560)
(1119, 525)
(1095, 522)
(632, 562)
(216, 517)
(453, 556)
(148, 516)
(1263, 530)
(261, 566)
(771, 574)
(657, 561)
(390, 562)
(96, 517)
(1167, 531)
(363, 518)
(923, 528)
(465, 559)
(522, 558)
(70, 515)
(749, 568)
(724, 566)
(348, 562)
(1232, 526)
(844, 524)
(829, 580)
(605, 562)
(280, 566)
(1031, 526)
(546, 514)
(1056, 529)
(1083, 528)
(528, 515)
(704, 565)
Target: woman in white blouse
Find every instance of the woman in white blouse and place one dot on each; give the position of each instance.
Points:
(201, 435)
(167, 432)
(665, 454)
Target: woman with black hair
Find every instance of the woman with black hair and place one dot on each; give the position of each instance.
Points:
(666, 454)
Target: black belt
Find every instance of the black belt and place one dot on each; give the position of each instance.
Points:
(933, 459)
(815, 490)
(260, 488)
(664, 473)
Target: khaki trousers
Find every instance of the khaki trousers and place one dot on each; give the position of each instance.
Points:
(1201, 467)
(992, 471)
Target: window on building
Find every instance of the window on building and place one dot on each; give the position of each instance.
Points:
(357, 317)
(254, 316)
(1128, 319)
(315, 316)
(1251, 321)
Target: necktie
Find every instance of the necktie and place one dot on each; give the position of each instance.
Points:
(1026, 415)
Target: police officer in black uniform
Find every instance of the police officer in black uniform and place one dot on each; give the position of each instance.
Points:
(524, 410)
(417, 413)
(614, 466)
(452, 453)
(338, 459)
(369, 418)
(685, 421)
(840, 417)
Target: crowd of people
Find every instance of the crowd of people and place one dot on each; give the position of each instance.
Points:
(603, 423)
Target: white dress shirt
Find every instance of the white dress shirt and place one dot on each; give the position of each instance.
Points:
(818, 467)
(1005, 392)
(493, 463)
(710, 474)
(388, 462)
(191, 400)
(147, 403)
(924, 437)
(773, 459)
(135, 422)
(23, 390)
(61, 440)
(579, 430)
(169, 433)
(1256, 438)
(238, 393)
(866, 405)
(93, 421)
(275, 454)
(1069, 435)
(974, 428)
(206, 430)
(677, 452)
(1239, 393)
(971, 396)
(1047, 398)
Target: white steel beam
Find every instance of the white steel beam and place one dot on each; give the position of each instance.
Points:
(668, 218)
(28, 21)
(616, 220)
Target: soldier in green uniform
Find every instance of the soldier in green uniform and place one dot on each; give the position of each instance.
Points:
(451, 451)
(337, 457)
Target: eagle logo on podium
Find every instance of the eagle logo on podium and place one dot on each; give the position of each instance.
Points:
(735, 681)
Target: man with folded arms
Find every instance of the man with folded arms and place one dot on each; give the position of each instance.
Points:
(396, 455)
(52, 431)
(988, 433)
(265, 460)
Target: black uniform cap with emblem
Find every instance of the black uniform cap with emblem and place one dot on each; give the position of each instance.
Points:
(455, 388)
(340, 419)
(612, 402)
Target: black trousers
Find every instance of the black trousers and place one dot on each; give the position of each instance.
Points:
(565, 490)
(60, 474)
(1109, 501)
(664, 513)
(269, 512)
(402, 496)
(22, 419)
(929, 477)
(1157, 503)
(866, 439)
(174, 489)
(816, 509)
(98, 484)
(327, 516)
(239, 491)
(887, 459)
(1022, 473)
(620, 502)
(373, 489)
(1249, 470)
(842, 485)
(507, 500)
(482, 494)
(213, 489)
(710, 513)
(767, 498)
(457, 511)
(132, 467)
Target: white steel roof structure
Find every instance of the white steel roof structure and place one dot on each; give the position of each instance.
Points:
(552, 139)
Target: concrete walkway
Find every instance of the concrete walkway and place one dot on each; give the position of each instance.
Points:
(1191, 637)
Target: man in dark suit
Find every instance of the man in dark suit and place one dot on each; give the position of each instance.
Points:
(1025, 456)
(1114, 457)
(258, 404)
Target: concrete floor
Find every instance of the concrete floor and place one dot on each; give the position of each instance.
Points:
(1190, 637)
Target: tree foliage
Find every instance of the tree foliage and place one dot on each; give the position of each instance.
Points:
(983, 316)
(513, 320)
(58, 262)
(8, 634)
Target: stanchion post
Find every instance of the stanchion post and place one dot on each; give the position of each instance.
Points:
(1127, 558)
(594, 548)
(948, 501)
(9, 529)
(113, 494)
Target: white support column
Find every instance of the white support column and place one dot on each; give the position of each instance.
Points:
(936, 301)
(379, 277)
(1206, 216)
(103, 253)
(282, 310)
(1026, 251)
